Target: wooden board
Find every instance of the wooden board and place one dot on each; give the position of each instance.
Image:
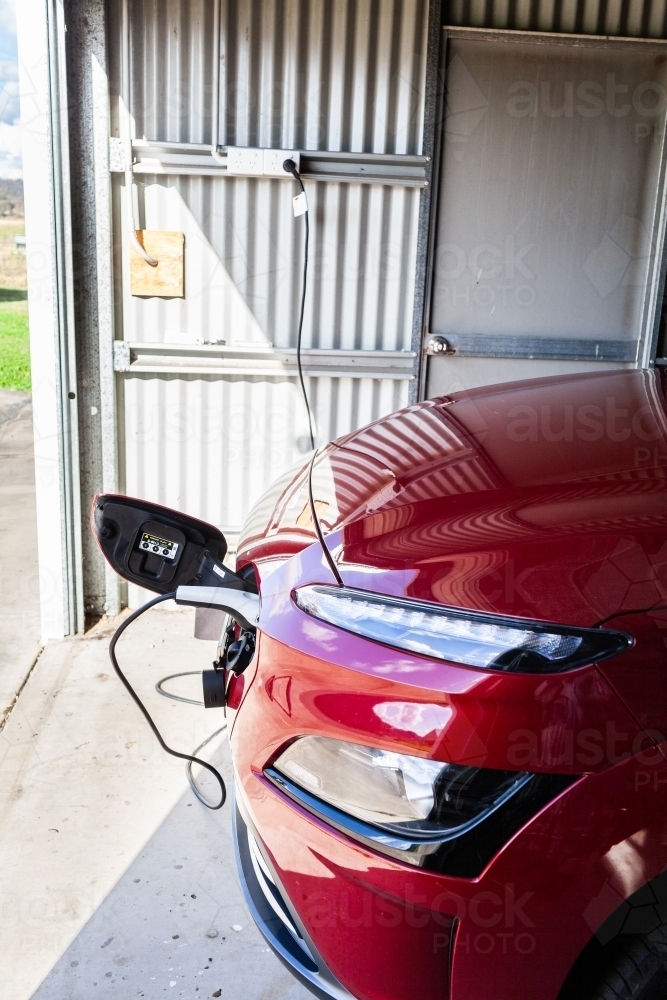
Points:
(167, 279)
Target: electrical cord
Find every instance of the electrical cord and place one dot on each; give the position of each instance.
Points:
(290, 167)
(178, 697)
(189, 701)
(190, 758)
(188, 769)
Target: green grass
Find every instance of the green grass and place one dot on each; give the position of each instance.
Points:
(14, 344)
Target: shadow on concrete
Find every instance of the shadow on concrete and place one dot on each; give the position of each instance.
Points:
(175, 922)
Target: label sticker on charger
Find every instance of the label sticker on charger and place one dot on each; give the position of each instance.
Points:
(300, 204)
(158, 546)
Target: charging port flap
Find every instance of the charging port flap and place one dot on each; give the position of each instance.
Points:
(158, 548)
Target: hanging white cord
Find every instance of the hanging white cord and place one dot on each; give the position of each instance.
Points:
(215, 126)
(129, 178)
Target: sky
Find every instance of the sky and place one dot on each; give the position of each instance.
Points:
(10, 141)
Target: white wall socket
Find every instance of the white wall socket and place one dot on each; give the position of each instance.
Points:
(274, 159)
(245, 160)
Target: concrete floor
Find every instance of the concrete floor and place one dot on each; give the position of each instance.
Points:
(19, 577)
(116, 882)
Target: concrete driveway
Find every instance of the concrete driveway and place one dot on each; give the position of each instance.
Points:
(116, 881)
(19, 577)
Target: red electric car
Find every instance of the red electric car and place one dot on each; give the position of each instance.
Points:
(449, 748)
(449, 693)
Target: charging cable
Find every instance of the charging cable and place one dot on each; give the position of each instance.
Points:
(177, 697)
(159, 687)
(290, 167)
(190, 758)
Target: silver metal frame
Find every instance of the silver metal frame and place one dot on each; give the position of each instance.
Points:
(217, 359)
(431, 145)
(428, 233)
(86, 43)
(194, 160)
(64, 308)
(545, 348)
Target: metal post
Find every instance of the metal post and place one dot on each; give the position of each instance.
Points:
(88, 94)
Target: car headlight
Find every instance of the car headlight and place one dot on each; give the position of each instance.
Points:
(396, 791)
(471, 638)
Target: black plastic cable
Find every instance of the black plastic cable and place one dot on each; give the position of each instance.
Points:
(318, 527)
(188, 768)
(189, 701)
(290, 167)
(178, 697)
(174, 753)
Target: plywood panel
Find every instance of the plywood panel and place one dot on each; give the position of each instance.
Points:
(165, 280)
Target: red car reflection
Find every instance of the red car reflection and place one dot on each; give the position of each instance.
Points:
(449, 748)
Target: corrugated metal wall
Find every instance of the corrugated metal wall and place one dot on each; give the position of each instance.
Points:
(212, 446)
(325, 75)
(625, 18)
(321, 74)
(337, 75)
(244, 263)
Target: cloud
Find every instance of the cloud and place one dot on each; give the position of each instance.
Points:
(10, 151)
(9, 88)
(7, 30)
(9, 97)
(10, 141)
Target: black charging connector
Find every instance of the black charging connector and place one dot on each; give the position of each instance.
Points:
(235, 656)
(289, 166)
(214, 681)
(240, 653)
(214, 687)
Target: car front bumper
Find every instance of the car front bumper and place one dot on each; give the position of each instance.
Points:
(274, 915)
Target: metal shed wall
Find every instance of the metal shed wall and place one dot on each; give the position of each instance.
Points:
(323, 75)
(318, 75)
(349, 76)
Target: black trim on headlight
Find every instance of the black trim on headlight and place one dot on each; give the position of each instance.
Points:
(464, 853)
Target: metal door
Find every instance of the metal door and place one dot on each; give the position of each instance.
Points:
(549, 230)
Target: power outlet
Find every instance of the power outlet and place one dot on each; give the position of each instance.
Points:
(245, 160)
(274, 159)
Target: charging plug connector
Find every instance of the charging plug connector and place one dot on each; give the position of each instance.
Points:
(214, 686)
